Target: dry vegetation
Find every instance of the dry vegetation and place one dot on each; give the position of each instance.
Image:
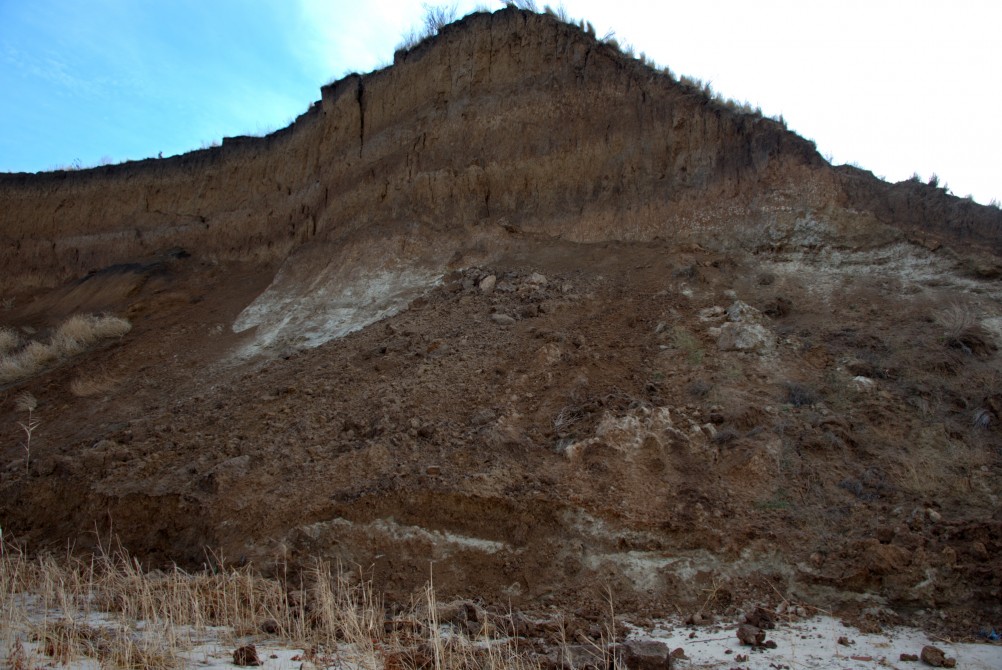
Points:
(109, 609)
(72, 337)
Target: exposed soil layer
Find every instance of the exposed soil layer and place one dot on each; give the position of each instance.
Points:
(614, 338)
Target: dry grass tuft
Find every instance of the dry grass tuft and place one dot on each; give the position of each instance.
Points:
(82, 330)
(91, 385)
(108, 609)
(9, 340)
(72, 337)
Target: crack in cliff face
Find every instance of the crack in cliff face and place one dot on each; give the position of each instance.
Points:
(360, 97)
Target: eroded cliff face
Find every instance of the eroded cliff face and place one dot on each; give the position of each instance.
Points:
(564, 249)
(508, 118)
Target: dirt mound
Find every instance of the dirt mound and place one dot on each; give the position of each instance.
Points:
(550, 329)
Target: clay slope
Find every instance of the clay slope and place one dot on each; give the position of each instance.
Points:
(524, 309)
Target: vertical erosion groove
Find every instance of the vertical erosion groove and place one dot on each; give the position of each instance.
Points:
(360, 96)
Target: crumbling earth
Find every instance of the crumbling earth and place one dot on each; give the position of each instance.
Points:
(642, 349)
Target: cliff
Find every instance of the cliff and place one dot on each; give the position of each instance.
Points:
(629, 340)
(511, 118)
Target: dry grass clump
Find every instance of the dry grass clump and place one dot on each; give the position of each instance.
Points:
(73, 336)
(85, 386)
(109, 609)
(9, 340)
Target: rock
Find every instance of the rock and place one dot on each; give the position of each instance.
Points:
(583, 657)
(751, 635)
(844, 641)
(760, 618)
(698, 619)
(863, 383)
(744, 337)
(935, 657)
(245, 656)
(502, 319)
(885, 559)
(908, 658)
(483, 417)
(488, 283)
(536, 279)
(933, 515)
(979, 550)
(741, 311)
(646, 655)
(710, 313)
(433, 470)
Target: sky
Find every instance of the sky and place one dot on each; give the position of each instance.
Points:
(895, 87)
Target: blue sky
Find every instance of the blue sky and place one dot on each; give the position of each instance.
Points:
(896, 87)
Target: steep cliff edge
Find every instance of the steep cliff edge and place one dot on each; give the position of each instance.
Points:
(510, 118)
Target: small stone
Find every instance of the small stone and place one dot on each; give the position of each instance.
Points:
(844, 641)
(583, 656)
(740, 311)
(488, 283)
(502, 319)
(863, 383)
(536, 278)
(646, 655)
(483, 417)
(908, 658)
(935, 657)
(433, 470)
(709, 313)
(760, 618)
(744, 337)
(246, 656)
(979, 550)
(750, 635)
(933, 515)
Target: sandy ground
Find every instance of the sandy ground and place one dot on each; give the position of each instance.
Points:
(814, 643)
